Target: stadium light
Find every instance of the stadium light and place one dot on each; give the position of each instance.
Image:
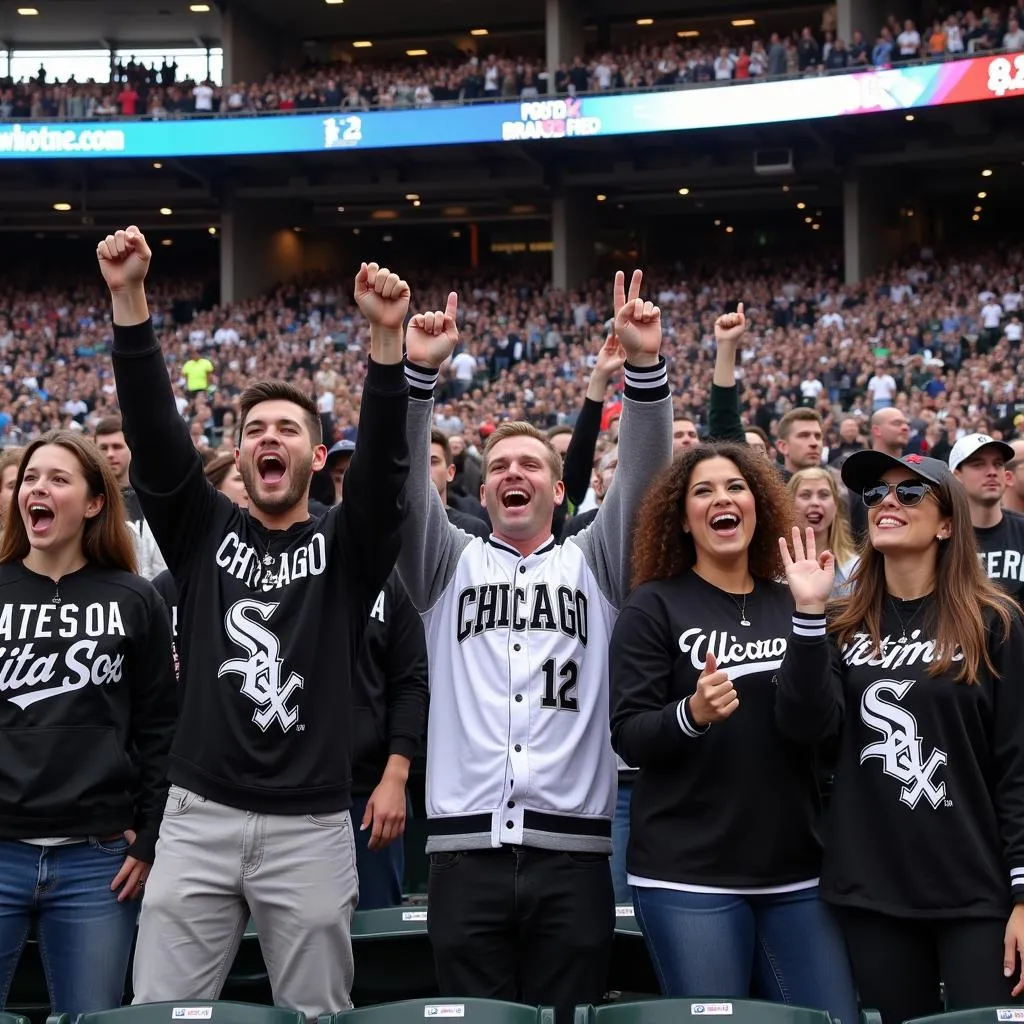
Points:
(909, 117)
(987, 173)
(28, 12)
(743, 22)
(199, 8)
(412, 196)
(688, 33)
(478, 31)
(645, 21)
(362, 44)
(166, 241)
(729, 230)
(211, 230)
(977, 209)
(341, 209)
(718, 223)
(415, 53)
(62, 207)
(801, 206)
(333, 2)
(415, 202)
(166, 211)
(157, 166)
(684, 191)
(975, 217)
(600, 197)
(983, 195)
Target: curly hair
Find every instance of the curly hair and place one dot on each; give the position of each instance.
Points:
(663, 549)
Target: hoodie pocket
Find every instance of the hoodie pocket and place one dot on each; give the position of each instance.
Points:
(50, 771)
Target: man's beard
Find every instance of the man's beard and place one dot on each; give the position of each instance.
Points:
(300, 475)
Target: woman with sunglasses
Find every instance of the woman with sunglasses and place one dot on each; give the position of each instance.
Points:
(917, 675)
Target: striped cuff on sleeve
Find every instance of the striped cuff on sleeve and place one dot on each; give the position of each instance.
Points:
(686, 723)
(1017, 884)
(808, 625)
(421, 380)
(647, 383)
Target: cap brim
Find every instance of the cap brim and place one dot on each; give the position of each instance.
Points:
(865, 468)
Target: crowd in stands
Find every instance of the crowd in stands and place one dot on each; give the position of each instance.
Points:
(135, 90)
(941, 339)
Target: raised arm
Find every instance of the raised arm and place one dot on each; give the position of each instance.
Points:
(579, 456)
(370, 517)
(430, 544)
(166, 470)
(645, 440)
(724, 423)
(809, 701)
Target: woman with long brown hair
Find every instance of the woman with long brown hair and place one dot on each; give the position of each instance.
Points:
(918, 675)
(723, 854)
(87, 710)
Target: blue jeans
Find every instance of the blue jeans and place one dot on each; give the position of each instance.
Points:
(380, 871)
(620, 841)
(784, 947)
(85, 936)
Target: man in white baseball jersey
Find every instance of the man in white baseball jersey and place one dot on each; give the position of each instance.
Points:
(521, 778)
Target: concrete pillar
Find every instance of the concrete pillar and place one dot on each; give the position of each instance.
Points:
(252, 49)
(564, 35)
(572, 233)
(865, 15)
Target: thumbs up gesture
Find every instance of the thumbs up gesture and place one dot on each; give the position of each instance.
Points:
(715, 698)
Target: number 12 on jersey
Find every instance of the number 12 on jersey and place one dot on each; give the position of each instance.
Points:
(560, 686)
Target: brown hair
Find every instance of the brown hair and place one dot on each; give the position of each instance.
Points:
(663, 549)
(558, 430)
(108, 425)
(840, 543)
(763, 434)
(218, 468)
(965, 596)
(106, 540)
(795, 416)
(520, 428)
(440, 438)
(280, 391)
(10, 457)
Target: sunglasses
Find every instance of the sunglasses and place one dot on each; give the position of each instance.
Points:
(908, 493)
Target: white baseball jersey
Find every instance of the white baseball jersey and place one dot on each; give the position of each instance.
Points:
(518, 747)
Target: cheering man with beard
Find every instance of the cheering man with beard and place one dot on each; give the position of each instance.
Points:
(273, 605)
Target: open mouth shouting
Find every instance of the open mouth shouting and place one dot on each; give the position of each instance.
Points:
(515, 498)
(725, 524)
(815, 517)
(41, 518)
(271, 468)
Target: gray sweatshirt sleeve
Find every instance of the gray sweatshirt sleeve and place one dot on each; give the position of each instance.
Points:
(431, 546)
(645, 449)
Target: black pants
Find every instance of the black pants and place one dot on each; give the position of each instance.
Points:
(898, 963)
(524, 925)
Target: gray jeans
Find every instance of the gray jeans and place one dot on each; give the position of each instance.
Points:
(295, 874)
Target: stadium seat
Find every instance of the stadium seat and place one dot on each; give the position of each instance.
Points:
(13, 1018)
(212, 1010)
(471, 1011)
(382, 939)
(980, 1015)
(630, 970)
(675, 1011)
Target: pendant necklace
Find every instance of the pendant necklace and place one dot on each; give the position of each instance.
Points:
(741, 608)
(904, 626)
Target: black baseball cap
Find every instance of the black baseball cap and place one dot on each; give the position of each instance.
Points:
(866, 468)
(338, 449)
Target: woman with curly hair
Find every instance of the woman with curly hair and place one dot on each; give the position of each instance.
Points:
(724, 854)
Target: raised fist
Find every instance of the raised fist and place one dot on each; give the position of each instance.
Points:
(431, 338)
(382, 297)
(124, 259)
(729, 327)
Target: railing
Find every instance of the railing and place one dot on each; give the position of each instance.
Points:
(495, 100)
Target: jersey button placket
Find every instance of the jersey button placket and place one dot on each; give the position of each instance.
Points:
(519, 717)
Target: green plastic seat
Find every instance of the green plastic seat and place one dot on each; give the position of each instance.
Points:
(984, 1015)
(193, 1011)
(685, 1011)
(466, 1011)
(393, 956)
(7, 1017)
